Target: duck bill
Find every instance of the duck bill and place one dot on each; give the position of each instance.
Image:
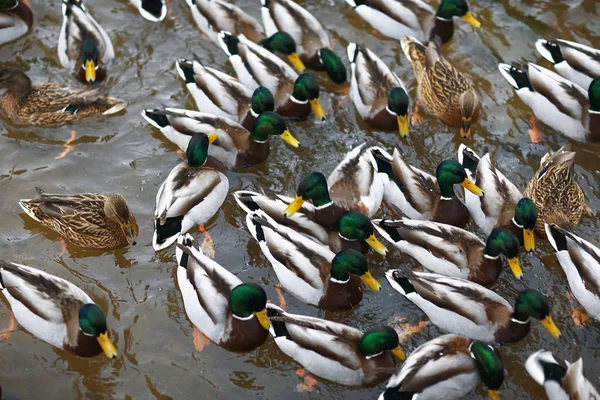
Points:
(296, 62)
(129, 234)
(318, 109)
(471, 19)
(403, 125)
(399, 353)
(471, 187)
(293, 207)
(376, 245)
(262, 318)
(515, 267)
(551, 327)
(90, 71)
(528, 239)
(493, 394)
(289, 139)
(465, 130)
(212, 138)
(107, 346)
(371, 282)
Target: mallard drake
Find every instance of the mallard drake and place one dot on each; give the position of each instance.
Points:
(557, 102)
(557, 196)
(152, 10)
(443, 90)
(418, 195)
(452, 251)
(377, 93)
(90, 220)
(230, 313)
(335, 351)
(503, 205)
(234, 145)
(17, 19)
(561, 379)
(466, 308)
(447, 367)
(83, 45)
(311, 38)
(309, 270)
(55, 310)
(397, 19)
(50, 104)
(580, 260)
(223, 95)
(255, 66)
(576, 62)
(192, 193)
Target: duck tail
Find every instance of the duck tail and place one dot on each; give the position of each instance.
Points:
(167, 233)
(185, 68)
(115, 105)
(556, 237)
(468, 159)
(352, 51)
(153, 10)
(516, 77)
(30, 208)
(229, 43)
(156, 118)
(245, 199)
(278, 327)
(400, 281)
(185, 243)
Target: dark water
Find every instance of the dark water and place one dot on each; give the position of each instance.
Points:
(123, 154)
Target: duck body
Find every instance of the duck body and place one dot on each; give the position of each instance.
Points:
(83, 45)
(206, 288)
(16, 19)
(50, 104)
(580, 261)
(576, 62)
(90, 220)
(152, 10)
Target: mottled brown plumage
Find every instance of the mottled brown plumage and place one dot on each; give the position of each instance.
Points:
(91, 220)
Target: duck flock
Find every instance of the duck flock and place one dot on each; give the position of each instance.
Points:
(319, 239)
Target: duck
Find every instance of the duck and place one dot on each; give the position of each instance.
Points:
(50, 105)
(231, 313)
(311, 39)
(396, 19)
(379, 96)
(234, 145)
(561, 380)
(557, 102)
(576, 62)
(580, 261)
(55, 311)
(447, 367)
(191, 194)
(89, 220)
(465, 308)
(443, 90)
(503, 205)
(309, 270)
(152, 10)
(223, 95)
(557, 196)
(17, 20)
(452, 251)
(83, 45)
(415, 194)
(295, 95)
(335, 351)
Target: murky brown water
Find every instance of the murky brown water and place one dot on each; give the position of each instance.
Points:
(123, 154)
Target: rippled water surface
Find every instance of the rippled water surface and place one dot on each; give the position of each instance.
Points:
(123, 154)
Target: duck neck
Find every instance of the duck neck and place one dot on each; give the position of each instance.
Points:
(442, 27)
(446, 190)
(594, 126)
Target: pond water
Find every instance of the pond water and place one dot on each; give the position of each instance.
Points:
(137, 287)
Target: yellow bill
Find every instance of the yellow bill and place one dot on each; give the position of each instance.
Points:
(261, 316)
(528, 239)
(318, 109)
(399, 353)
(471, 187)
(293, 207)
(376, 245)
(371, 282)
(90, 71)
(471, 19)
(296, 62)
(515, 267)
(290, 139)
(403, 125)
(551, 327)
(212, 137)
(107, 346)
(494, 394)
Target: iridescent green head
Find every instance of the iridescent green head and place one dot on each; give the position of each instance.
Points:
(306, 88)
(197, 150)
(502, 241)
(348, 262)
(355, 225)
(398, 101)
(314, 187)
(489, 365)
(533, 304)
(247, 299)
(526, 213)
(378, 340)
(594, 94)
(456, 8)
(334, 66)
(450, 173)
(266, 124)
(281, 41)
(262, 100)
(92, 320)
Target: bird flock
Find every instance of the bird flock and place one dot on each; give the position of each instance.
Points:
(319, 239)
